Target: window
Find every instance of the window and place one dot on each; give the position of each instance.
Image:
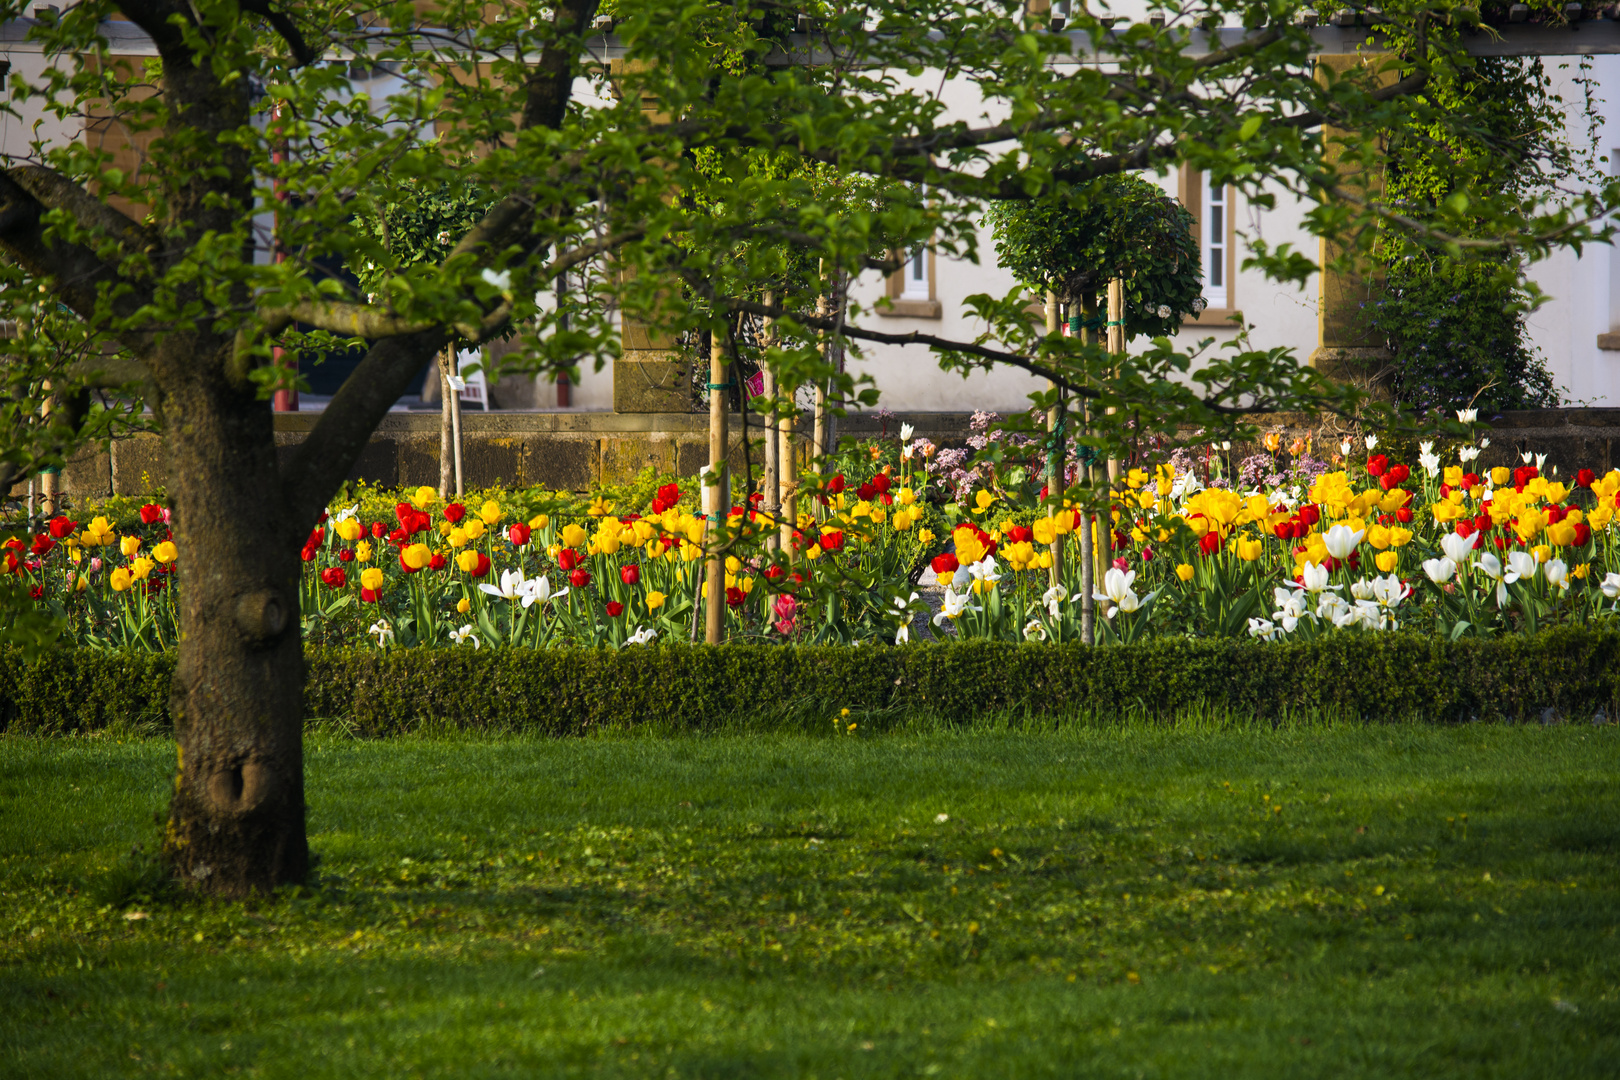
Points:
(916, 285)
(911, 288)
(1214, 253)
(1210, 205)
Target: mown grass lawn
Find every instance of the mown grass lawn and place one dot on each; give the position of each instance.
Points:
(1348, 902)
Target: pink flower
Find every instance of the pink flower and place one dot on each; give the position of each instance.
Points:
(786, 607)
(1122, 564)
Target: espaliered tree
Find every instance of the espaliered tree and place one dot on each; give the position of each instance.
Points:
(167, 272)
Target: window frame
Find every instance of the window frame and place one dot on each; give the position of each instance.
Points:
(1193, 187)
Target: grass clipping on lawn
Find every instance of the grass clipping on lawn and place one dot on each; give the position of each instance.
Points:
(1349, 901)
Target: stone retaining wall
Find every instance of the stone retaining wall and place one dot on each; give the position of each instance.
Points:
(576, 450)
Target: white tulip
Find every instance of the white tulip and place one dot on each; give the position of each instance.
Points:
(1459, 549)
(1440, 571)
(1430, 463)
(1341, 541)
(464, 635)
(1521, 567)
(1116, 585)
(1557, 572)
(382, 630)
(906, 431)
(1491, 566)
(1541, 460)
(501, 281)
(954, 605)
(510, 588)
(1371, 441)
(985, 570)
(1611, 586)
(1053, 597)
(1467, 454)
(1331, 607)
(1483, 443)
(1426, 446)
(1034, 630)
(1362, 590)
(1526, 457)
(1388, 591)
(643, 637)
(1344, 446)
(537, 590)
(1315, 576)
(1264, 629)
(1467, 416)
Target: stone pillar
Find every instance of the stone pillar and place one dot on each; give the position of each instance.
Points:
(1346, 348)
(650, 375)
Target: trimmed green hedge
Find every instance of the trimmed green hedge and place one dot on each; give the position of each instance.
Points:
(1362, 677)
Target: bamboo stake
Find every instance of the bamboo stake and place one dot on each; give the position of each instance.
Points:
(715, 493)
(1055, 450)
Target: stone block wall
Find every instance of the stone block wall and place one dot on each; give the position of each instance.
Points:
(573, 451)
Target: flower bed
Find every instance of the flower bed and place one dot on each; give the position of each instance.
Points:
(1292, 547)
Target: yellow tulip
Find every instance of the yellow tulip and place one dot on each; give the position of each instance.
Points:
(1561, 534)
(982, 501)
(655, 600)
(424, 497)
(969, 548)
(1446, 511)
(1378, 537)
(468, 561)
(1542, 552)
(166, 552)
(445, 528)
(947, 577)
(1501, 475)
(457, 538)
(1045, 560)
(348, 529)
(1399, 537)
(878, 515)
(573, 536)
(1147, 500)
(1387, 561)
(539, 521)
(1581, 571)
(1045, 530)
(474, 528)
(1453, 476)
(129, 545)
(1184, 572)
(733, 564)
(1394, 499)
(82, 583)
(416, 556)
(119, 579)
(925, 537)
(99, 533)
(907, 496)
(371, 578)
(600, 507)
(1164, 478)
(814, 553)
(491, 513)
(362, 551)
(140, 568)
(1248, 550)
(1136, 478)
(1600, 517)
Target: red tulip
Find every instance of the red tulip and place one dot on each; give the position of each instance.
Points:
(866, 492)
(1583, 534)
(882, 482)
(37, 592)
(151, 514)
(1404, 515)
(580, 578)
(669, 495)
(1020, 534)
(518, 534)
(832, 541)
(1376, 465)
(61, 528)
(945, 564)
(835, 486)
(482, 568)
(399, 538)
(438, 562)
(735, 597)
(345, 554)
(1471, 480)
(630, 574)
(614, 609)
(378, 530)
(454, 512)
(1210, 542)
(567, 559)
(334, 577)
(369, 596)
(42, 545)
(1401, 472)
(1584, 478)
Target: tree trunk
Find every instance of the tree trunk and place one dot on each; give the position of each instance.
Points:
(716, 496)
(447, 476)
(1055, 450)
(236, 820)
(770, 483)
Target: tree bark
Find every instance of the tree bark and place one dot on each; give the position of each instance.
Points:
(236, 819)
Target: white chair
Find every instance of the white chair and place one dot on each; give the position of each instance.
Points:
(474, 386)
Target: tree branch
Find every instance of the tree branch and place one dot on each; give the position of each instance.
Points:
(283, 25)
